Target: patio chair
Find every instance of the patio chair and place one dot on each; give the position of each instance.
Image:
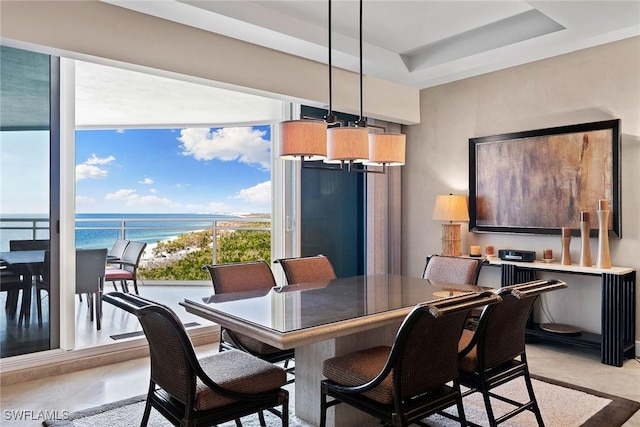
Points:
(488, 356)
(246, 276)
(90, 279)
(307, 269)
(127, 267)
(408, 381)
(210, 391)
(117, 250)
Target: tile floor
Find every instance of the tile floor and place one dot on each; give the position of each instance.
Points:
(92, 387)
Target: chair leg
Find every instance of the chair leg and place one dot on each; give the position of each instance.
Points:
(238, 423)
(98, 309)
(147, 406)
(39, 296)
(323, 407)
(263, 423)
(285, 411)
(532, 397)
(487, 404)
(90, 306)
(135, 286)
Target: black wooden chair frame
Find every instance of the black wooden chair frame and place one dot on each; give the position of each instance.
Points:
(402, 413)
(489, 378)
(180, 414)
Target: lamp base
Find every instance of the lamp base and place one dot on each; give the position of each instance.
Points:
(451, 240)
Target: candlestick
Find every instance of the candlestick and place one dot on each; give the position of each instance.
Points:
(566, 232)
(566, 252)
(604, 257)
(603, 205)
(547, 254)
(585, 251)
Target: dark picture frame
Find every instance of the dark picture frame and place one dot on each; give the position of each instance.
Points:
(539, 181)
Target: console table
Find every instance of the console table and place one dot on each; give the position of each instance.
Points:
(618, 307)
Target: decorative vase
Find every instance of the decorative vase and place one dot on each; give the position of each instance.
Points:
(585, 252)
(566, 246)
(604, 257)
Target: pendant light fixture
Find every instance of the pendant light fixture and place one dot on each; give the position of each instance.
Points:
(310, 140)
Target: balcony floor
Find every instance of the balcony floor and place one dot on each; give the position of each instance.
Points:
(16, 339)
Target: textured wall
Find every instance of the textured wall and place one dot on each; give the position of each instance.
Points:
(599, 83)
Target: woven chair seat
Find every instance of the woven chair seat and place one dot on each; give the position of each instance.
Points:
(236, 371)
(253, 345)
(360, 367)
(112, 273)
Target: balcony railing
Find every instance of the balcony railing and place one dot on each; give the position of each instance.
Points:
(153, 229)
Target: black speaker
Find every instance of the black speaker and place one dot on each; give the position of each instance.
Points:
(516, 255)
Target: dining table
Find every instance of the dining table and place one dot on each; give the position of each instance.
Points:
(28, 265)
(322, 320)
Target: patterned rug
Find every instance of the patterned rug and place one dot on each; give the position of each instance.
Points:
(561, 404)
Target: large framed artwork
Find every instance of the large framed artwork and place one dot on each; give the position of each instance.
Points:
(539, 181)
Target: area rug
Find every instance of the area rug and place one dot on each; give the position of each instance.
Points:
(561, 404)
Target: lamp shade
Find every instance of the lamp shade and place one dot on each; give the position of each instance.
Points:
(386, 149)
(303, 139)
(451, 208)
(347, 144)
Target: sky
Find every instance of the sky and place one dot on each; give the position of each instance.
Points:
(190, 170)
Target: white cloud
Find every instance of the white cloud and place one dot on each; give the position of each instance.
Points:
(89, 170)
(243, 144)
(146, 181)
(213, 207)
(120, 194)
(153, 190)
(84, 171)
(132, 199)
(95, 160)
(258, 194)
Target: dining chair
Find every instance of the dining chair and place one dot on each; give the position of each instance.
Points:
(12, 284)
(454, 269)
(408, 381)
(210, 391)
(246, 276)
(307, 269)
(28, 245)
(495, 352)
(127, 267)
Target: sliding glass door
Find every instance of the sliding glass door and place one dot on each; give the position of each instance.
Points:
(28, 134)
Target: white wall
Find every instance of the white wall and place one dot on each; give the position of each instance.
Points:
(599, 83)
(93, 30)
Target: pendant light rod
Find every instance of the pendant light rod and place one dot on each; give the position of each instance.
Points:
(361, 122)
(330, 118)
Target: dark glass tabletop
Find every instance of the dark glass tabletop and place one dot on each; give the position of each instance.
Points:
(296, 307)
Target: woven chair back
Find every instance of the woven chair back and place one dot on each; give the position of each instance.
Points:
(453, 269)
(307, 269)
(242, 276)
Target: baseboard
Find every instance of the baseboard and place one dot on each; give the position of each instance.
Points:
(56, 362)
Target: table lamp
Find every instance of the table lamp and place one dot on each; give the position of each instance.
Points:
(451, 208)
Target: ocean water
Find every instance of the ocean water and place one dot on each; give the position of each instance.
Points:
(102, 230)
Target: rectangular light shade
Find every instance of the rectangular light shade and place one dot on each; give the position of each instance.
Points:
(348, 144)
(387, 149)
(451, 207)
(303, 139)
